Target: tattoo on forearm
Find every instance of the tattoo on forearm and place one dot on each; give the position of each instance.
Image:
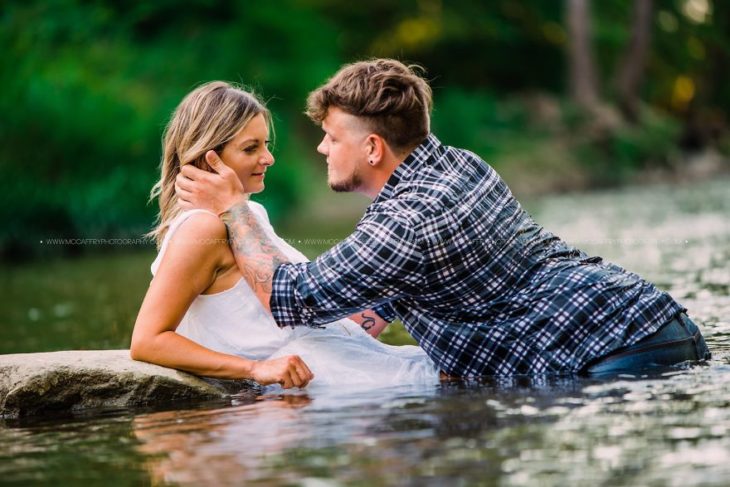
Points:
(367, 322)
(256, 255)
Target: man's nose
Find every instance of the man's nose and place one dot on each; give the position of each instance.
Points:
(322, 148)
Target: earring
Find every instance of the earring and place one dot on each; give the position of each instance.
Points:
(371, 162)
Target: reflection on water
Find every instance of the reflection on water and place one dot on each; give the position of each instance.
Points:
(668, 429)
(208, 446)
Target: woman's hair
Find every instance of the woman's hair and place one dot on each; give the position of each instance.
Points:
(392, 98)
(207, 118)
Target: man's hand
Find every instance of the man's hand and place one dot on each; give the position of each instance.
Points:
(216, 191)
(289, 371)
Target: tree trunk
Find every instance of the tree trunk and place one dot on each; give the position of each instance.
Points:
(582, 74)
(631, 71)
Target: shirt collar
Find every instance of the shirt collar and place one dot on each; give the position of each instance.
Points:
(419, 156)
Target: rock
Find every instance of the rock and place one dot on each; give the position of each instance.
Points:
(38, 383)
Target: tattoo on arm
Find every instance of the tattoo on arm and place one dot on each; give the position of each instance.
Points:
(256, 255)
(367, 322)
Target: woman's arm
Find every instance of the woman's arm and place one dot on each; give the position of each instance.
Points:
(189, 267)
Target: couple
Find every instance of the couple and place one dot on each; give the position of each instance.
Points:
(444, 246)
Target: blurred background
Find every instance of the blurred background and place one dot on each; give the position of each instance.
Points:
(559, 96)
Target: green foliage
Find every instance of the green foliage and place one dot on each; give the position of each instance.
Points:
(612, 155)
(483, 123)
(653, 142)
(88, 85)
(91, 85)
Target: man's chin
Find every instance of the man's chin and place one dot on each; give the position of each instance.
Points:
(347, 186)
(341, 188)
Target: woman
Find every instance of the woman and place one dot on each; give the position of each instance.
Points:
(199, 315)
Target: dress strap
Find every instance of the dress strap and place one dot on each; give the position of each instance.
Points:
(171, 231)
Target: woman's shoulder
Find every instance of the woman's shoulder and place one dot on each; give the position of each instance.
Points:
(200, 230)
(202, 221)
(198, 224)
(196, 234)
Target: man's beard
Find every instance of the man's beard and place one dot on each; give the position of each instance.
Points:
(348, 185)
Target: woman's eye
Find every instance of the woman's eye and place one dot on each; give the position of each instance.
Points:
(250, 149)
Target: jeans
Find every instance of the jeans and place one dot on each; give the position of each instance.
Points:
(678, 341)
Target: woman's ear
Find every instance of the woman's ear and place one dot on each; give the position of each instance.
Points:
(202, 163)
(215, 155)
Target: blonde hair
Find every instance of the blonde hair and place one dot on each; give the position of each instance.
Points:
(208, 118)
(393, 100)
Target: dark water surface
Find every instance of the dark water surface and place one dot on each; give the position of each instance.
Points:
(669, 429)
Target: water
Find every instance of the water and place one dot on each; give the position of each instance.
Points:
(669, 429)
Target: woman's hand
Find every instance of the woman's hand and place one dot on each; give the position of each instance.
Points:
(289, 371)
(215, 191)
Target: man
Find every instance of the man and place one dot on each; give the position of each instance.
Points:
(446, 248)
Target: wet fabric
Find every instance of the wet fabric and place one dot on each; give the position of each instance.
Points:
(677, 342)
(340, 355)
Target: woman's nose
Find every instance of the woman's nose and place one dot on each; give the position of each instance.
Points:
(268, 158)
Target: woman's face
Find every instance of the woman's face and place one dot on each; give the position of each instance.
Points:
(248, 154)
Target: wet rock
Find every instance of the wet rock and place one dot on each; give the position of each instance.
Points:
(38, 383)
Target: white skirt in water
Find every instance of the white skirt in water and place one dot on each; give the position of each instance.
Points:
(342, 354)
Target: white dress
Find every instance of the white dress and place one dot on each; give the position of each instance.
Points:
(343, 354)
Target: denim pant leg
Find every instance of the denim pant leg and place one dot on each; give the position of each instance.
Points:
(703, 352)
(678, 341)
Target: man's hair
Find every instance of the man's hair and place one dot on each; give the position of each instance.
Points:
(391, 98)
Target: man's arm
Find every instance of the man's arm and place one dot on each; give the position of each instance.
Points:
(221, 191)
(380, 263)
(256, 255)
(370, 321)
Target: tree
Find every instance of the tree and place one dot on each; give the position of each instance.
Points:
(632, 68)
(582, 71)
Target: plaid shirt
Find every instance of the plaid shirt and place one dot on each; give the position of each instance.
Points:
(484, 290)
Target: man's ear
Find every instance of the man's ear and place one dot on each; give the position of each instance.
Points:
(375, 148)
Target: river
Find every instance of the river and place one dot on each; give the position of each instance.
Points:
(668, 429)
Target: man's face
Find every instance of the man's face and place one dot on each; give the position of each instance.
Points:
(344, 146)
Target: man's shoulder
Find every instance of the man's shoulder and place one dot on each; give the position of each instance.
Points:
(452, 185)
(446, 179)
(402, 209)
(412, 210)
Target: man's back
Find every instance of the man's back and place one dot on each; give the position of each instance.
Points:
(498, 294)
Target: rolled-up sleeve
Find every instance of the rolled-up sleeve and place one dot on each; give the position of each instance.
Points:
(386, 311)
(380, 262)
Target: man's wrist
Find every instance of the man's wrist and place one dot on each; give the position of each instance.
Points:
(235, 211)
(242, 200)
